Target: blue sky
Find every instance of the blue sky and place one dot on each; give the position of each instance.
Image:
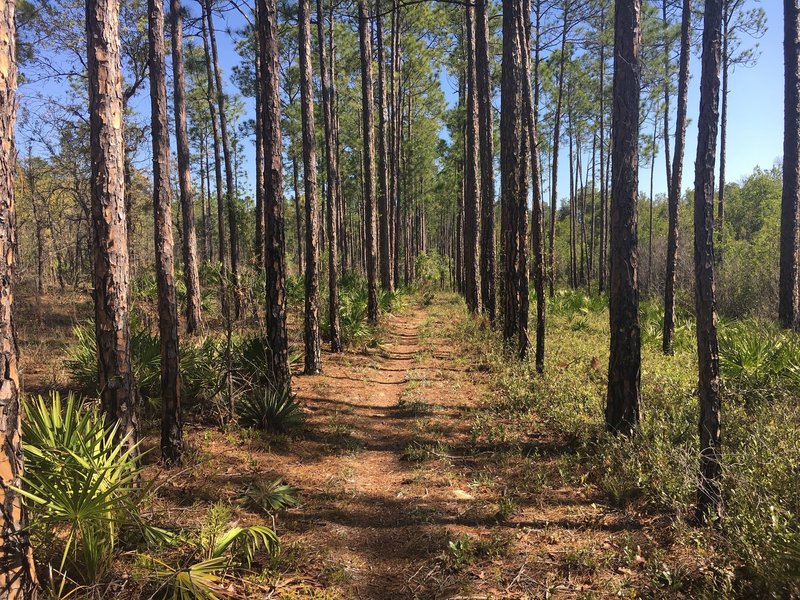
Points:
(755, 121)
(755, 113)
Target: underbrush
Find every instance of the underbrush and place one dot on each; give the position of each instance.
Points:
(208, 385)
(354, 327)
(91, 512)
(751, 551)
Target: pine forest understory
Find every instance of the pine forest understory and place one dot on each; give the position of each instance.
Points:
(388, 299)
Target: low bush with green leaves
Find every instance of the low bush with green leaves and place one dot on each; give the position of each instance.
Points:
(213, 553)
(758, 361)
(199, 360)
(656, 469)
(81, 484)
(203, 365)
(270, 496)
(354, 327)
(269, 409)
(85, 492)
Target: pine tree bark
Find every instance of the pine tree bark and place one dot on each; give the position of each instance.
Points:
(788, 298)
(512, 132)
(334, 189)
(18, 571)
(212, 111)
(384, 222)
(298, 215)
(189, 238)
(486, 144)
(313, 359)
(274, 239)
(677, 175)
(230, 200)
(667, 80)
(259, 233)
(573, 216)
(602, 257)
(709, 497)
(472, 201)
(110, 274)
(556, 144)
(723, 139)
(397, 137)
(368, 128)
(537, 231)
(624, 368)
(171, 428)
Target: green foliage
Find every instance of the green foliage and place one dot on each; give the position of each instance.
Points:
(758, 361)
(270, 496)
(353, 299)
(572, 302)
(223, 545)
(656, 470)
(269, 409)
(80, 482)
(252, 357)
(432, 270)
(202, 364)
(295, 291)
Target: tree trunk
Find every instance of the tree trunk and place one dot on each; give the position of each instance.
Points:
(212, 111)
(204, 197)
(788, 300)
(171, 428)
(667, 80)
(650, 217)
(110, 275)
(723, 139)
(230, 200)
(397, 136)
(18, 571)
(259, 233)
(273, 194)
(603, 259)
(189, 238)
(298, 215)
(334, 188)
(556, 140)
(709, 497)
(486, 139)
(677, 173)
(624, 367)
(384, 222)
(368, 128)
(573, 251)
(472, 200)
(313, 359)
(590, 261)
(512, 132)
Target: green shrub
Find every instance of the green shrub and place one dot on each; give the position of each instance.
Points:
(269, 409)
(80, 483)
(270, 496)
(252, 357)
(295, 291)
(353, 299)
(571, 302)
(758, 361)
(221, 546)
(656, 469)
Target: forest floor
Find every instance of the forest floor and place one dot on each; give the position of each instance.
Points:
(408, 484)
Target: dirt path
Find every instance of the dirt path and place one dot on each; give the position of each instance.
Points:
(374, 499)
(413, 485)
